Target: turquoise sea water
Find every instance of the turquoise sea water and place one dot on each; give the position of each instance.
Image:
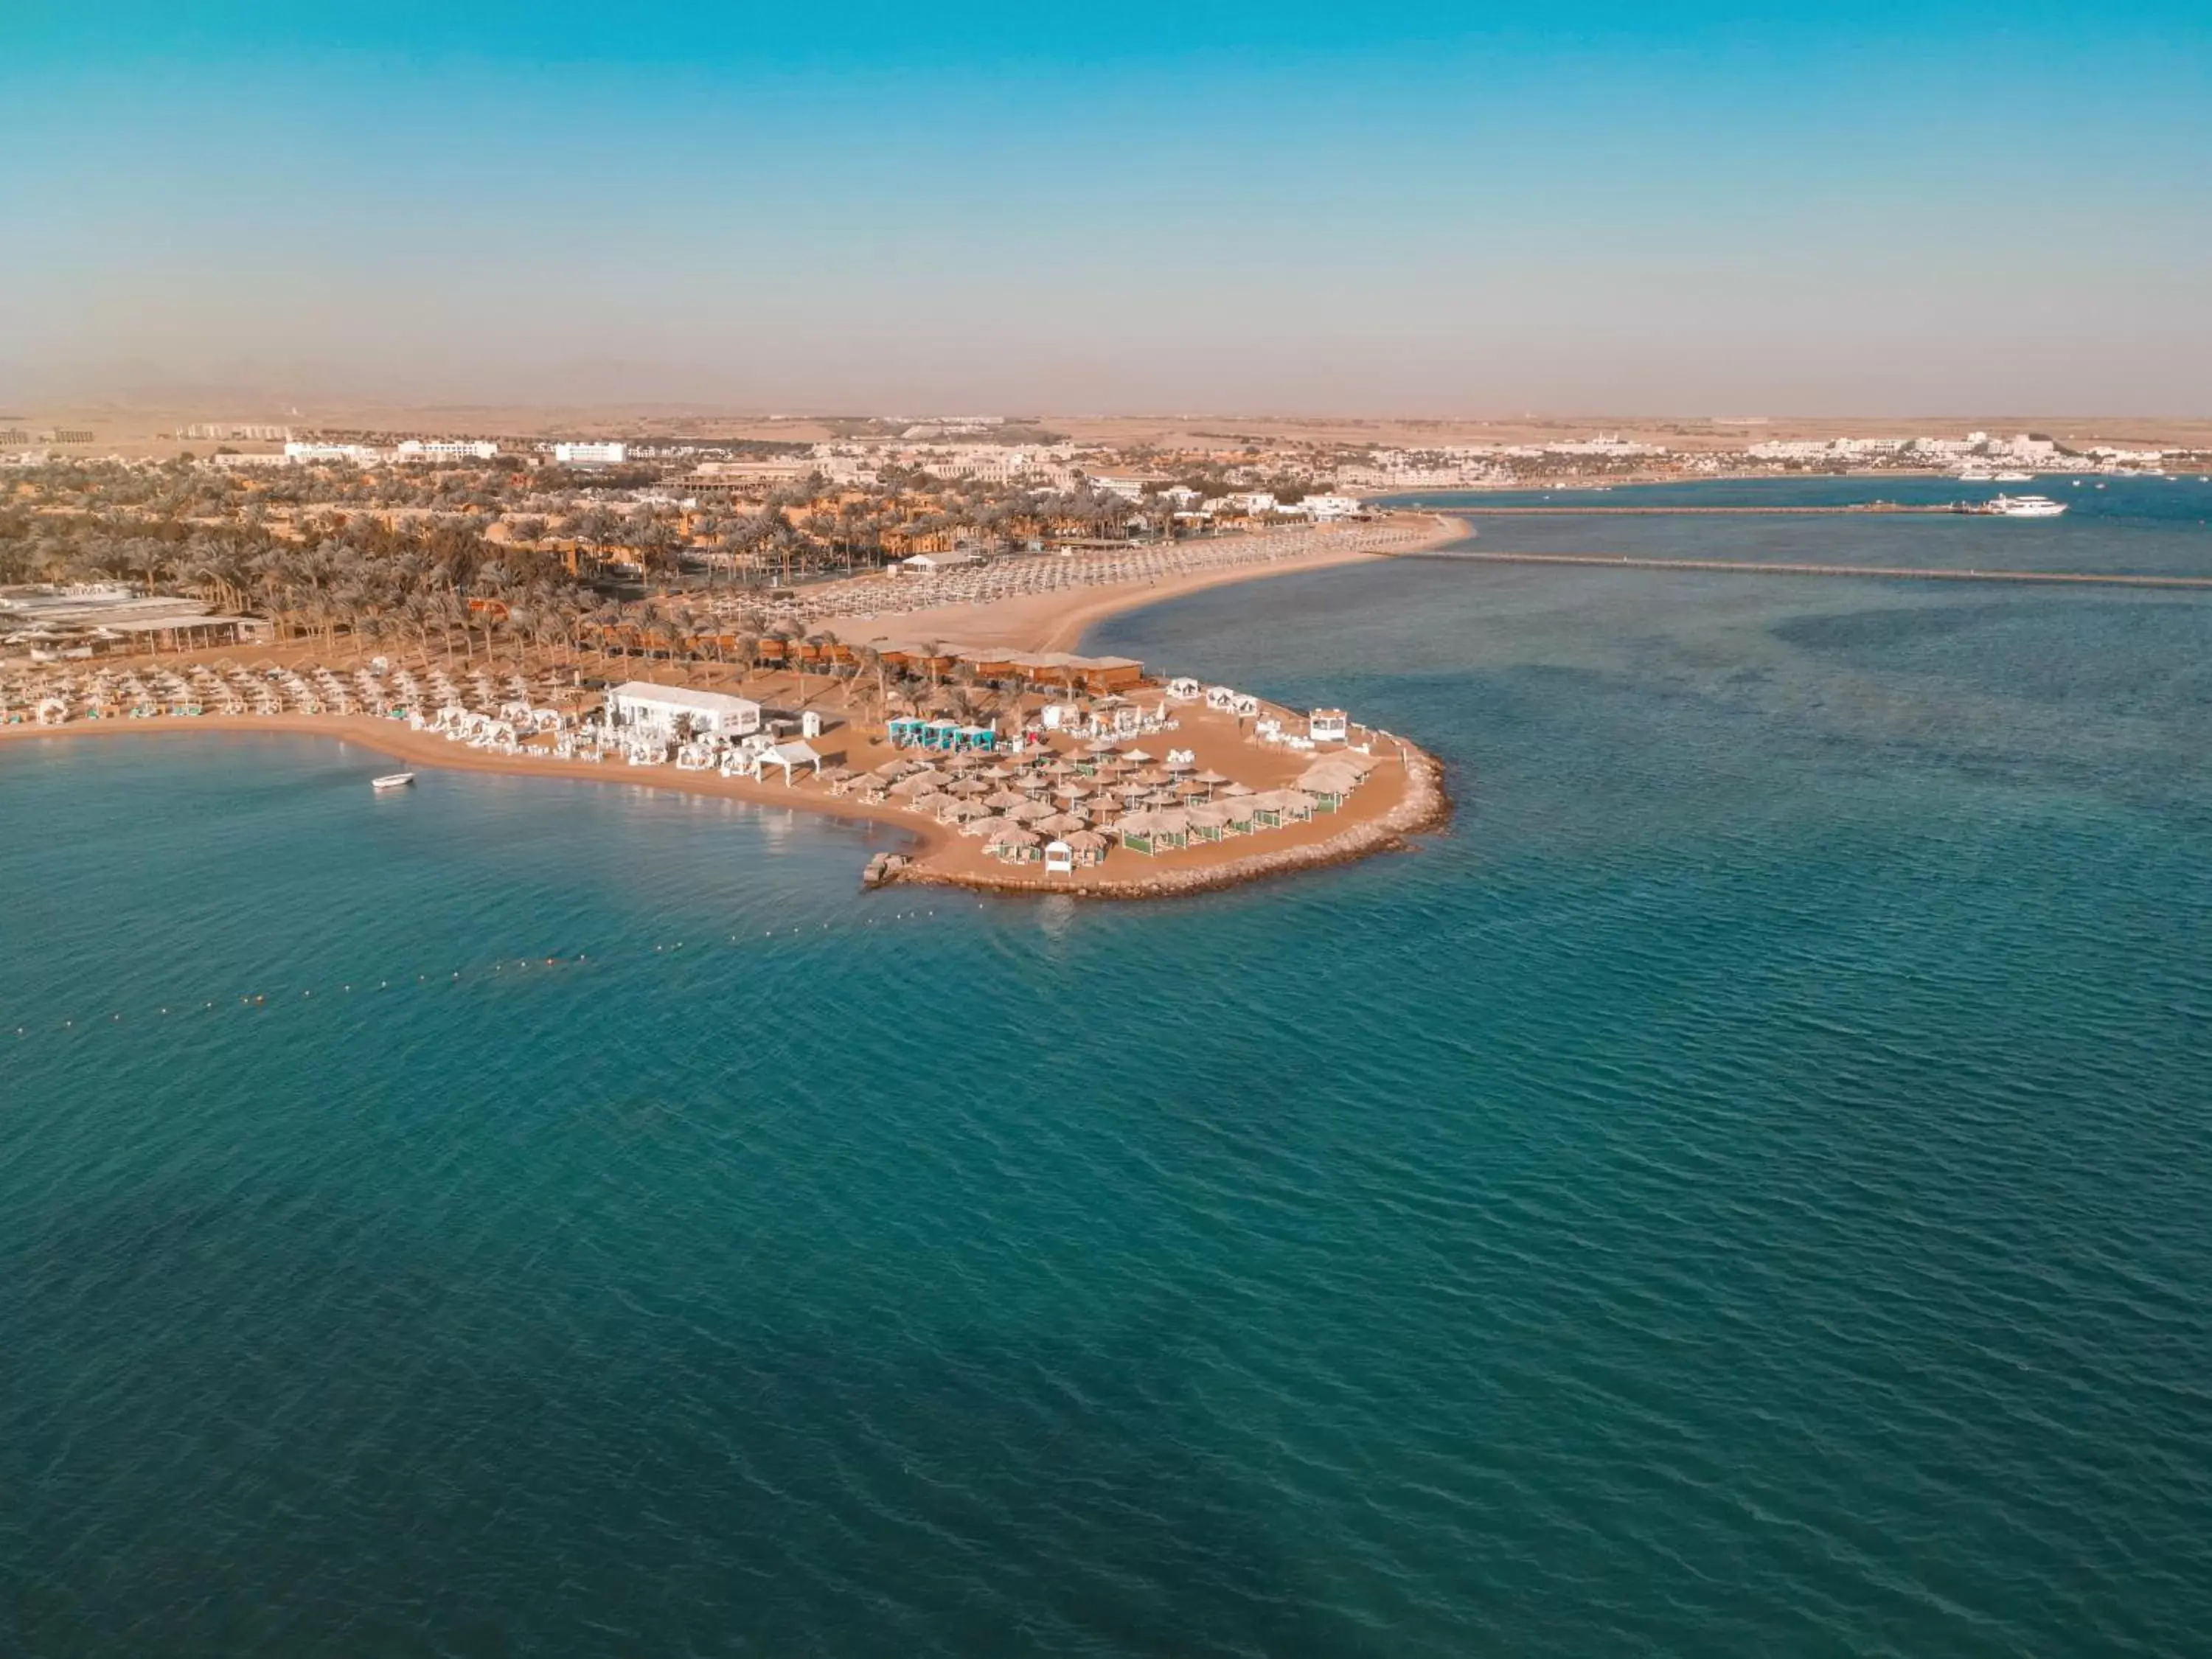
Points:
(1745, 1189)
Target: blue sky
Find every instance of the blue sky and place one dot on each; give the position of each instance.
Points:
(1230, 207)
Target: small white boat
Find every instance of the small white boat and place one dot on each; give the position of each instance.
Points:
(393, 781)
(2011, 477)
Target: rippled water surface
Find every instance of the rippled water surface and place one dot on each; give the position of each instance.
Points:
(1745, 1189)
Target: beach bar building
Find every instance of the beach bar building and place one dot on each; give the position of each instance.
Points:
(1044, 670)
(663, 710)
(1329, 725)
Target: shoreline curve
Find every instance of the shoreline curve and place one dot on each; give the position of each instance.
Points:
(1424, 805)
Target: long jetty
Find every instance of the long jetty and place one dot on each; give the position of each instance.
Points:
(1945, 509)
(1752, 568)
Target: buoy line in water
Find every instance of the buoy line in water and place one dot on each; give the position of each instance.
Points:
(184, 1008)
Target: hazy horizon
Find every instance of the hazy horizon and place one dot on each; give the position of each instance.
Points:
(1239, 209)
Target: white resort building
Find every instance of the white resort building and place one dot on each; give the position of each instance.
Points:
(590, 454)
(667, 710)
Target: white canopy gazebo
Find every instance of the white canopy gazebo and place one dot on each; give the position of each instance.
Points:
(787, 755)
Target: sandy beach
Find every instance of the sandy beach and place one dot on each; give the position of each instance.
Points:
(1057, 620)
(1405, 795)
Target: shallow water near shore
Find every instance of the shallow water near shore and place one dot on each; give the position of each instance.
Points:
(1744, 1190)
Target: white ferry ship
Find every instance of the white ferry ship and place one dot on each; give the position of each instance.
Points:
(2025, 506)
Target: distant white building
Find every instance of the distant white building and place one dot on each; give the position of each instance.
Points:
(997, 463)
(665, 709)
(445, 449)
(235, 432)
(1329, 507)
(593, 454)
(1606, 443)
(1129, 489)
(300, 454)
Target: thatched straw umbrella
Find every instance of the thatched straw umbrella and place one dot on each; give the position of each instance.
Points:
(1207, 821)
(1088, 846)
(1328, 778)
(1013, 840)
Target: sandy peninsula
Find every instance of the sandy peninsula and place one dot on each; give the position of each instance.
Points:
(1404, 792)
